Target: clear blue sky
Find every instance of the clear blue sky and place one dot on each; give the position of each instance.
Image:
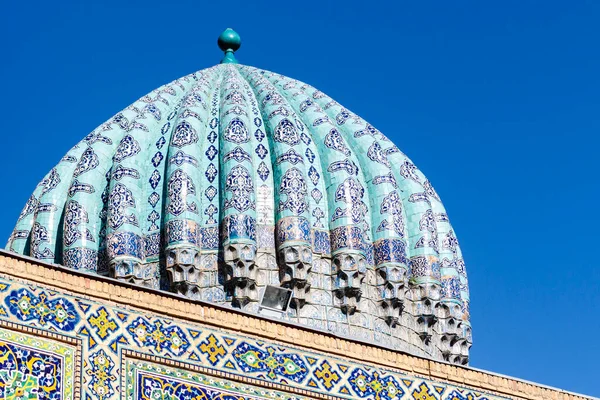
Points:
(497, 102)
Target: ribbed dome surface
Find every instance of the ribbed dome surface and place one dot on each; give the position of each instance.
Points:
(234, 178)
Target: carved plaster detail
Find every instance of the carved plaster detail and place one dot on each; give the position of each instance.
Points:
(350, 271)
(392, 282)
(185, 276)
(131, 270)
(240, 272)
(295, 268)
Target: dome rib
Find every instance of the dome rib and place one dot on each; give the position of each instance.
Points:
(263, 160)
(388, 216)
(292, 184)
(238, 185)
(132, 252)
(233, 178)
(20, 238)
(191, 189)
(316, 174)
(46, 242)
(84, 209)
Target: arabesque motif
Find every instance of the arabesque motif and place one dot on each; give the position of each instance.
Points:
(210, 159)
(110, 335)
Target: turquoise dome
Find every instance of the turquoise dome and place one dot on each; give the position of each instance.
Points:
(233, 178)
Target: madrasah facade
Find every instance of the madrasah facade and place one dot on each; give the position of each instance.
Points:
(238, 234)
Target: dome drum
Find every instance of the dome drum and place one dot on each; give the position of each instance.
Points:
(232, 179)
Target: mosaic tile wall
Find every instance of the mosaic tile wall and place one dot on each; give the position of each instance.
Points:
(58, 346)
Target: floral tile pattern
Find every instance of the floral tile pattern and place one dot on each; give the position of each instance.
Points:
(274, 174)
(210, 362)
(34, 367)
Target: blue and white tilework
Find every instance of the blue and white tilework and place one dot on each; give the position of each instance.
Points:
(233, 178)
(58, 345)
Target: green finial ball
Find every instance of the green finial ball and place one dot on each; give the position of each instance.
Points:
(229, 40)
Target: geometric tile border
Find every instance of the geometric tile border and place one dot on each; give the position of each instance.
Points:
(38, 364)
(169, 379)
(117, 330)
(109, 331)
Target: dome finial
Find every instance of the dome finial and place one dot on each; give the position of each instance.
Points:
(229, 41)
